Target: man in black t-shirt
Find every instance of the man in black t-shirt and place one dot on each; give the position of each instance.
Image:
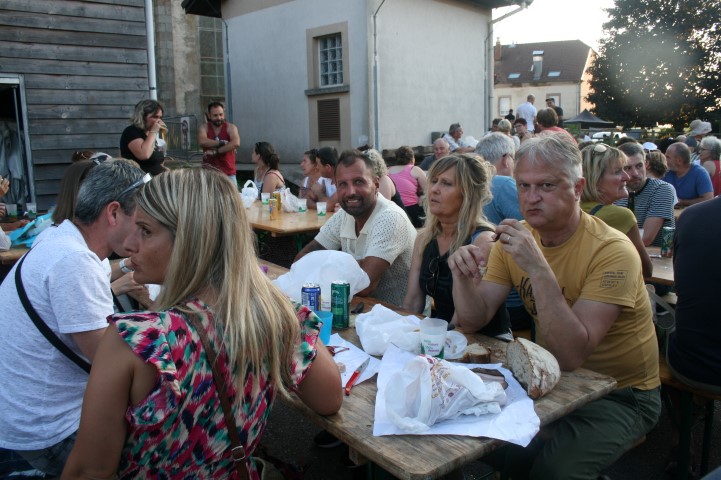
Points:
(551, 103)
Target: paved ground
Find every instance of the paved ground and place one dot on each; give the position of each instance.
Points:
(290, 436)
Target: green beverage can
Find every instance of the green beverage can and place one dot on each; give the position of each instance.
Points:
(340, 303)
(667, 241)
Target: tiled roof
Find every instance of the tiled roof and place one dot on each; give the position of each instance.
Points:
(563, 61)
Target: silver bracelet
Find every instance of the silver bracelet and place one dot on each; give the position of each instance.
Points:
(123, 268)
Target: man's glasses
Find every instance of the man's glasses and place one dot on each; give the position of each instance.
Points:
(139, 183)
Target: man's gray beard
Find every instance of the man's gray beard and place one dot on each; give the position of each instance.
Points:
(218, 123)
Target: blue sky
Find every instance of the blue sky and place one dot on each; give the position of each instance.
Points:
(549, 20)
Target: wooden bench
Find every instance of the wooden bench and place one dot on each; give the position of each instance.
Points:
(685, 422)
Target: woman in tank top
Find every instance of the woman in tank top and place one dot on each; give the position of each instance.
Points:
(458, 187)
(268, 178)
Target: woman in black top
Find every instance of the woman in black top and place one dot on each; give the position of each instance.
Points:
(141, 142)
(458, 187)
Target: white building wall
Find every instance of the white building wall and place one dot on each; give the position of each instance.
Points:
(269, 72)
(570, 94)
(430, 55)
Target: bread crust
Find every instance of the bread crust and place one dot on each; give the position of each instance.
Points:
(476, 353)
(533, 366)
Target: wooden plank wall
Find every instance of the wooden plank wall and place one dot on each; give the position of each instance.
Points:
(85, 67)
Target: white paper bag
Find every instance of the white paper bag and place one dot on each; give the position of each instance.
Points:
(249, 190)
(382, 326)
(288, 201)
(429, 390)
(323, 267)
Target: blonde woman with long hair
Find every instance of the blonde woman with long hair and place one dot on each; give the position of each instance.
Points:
(459, 185)
(603, 169)
(151, 408)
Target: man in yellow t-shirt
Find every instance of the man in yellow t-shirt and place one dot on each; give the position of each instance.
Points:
(581, 281)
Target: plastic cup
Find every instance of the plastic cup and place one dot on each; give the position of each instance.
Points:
(265, 198)
(321, 207)
(327, 319)
(433, 336)
(302, 205)
(32, 210)
(12, 211)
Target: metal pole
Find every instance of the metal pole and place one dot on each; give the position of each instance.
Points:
(150, 37)
(376, 116)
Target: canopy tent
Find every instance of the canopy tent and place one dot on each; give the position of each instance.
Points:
(586, 119)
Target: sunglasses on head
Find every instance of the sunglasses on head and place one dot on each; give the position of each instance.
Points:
(138, 183)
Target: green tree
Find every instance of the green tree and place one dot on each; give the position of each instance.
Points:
(660, 61)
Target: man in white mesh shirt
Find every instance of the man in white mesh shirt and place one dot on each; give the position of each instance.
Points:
(374, 230)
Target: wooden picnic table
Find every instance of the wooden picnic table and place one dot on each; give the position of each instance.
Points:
(662, 267)
(286, 223)
(432, 456)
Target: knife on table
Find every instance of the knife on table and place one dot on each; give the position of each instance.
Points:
(356, 374)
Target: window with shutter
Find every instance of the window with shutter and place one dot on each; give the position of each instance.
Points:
(329, 120)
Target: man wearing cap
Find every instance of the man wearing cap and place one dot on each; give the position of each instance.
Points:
(65, 277)
(649, 147)
(651, 200)
(697, 129)
(691, 181)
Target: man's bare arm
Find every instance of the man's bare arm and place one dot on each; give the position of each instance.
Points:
(375, 267)
(475, 301)
(691, 201)
(88, 341)
(203, 139)
(234, 141)
(651, 227)
(311, 247)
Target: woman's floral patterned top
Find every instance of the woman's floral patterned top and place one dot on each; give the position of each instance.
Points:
(179, 431)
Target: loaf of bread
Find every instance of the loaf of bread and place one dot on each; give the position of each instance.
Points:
(533, 366)
(476, 353)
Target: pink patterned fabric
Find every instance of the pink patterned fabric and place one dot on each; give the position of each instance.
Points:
(179, 431)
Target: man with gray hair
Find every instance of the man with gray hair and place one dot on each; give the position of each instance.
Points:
(691, 181)
(67, 286)
(709, 154)
(456, 143)
(441, 148)
(651, 200)
(581, 281)
(498, 149)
